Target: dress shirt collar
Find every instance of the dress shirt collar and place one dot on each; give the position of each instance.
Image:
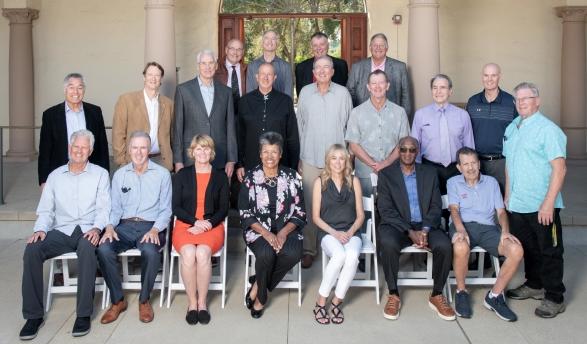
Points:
(413, 173)
(519, 121)
(315, 87)
(68, 109)
(380, 66)
(229, 66)
(85, 169)
(383, 108)
(462, 181)
(149, 100)
(496, 100)
(130, 168)
(201, 83)
(440, 107)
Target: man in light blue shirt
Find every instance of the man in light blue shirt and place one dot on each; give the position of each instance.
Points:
(141, 211)
(535, 152)
(73, 210)
(474, 200)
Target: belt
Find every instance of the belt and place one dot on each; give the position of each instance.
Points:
(426, 161)
(134, 219)
(491, 157)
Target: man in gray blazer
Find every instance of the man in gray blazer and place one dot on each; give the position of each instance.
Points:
(396, 71)
(204, 106)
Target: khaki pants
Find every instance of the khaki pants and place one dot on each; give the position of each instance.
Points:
(310, 173)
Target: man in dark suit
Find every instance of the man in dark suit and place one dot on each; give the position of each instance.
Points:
(232, 71)
(305, 69)
(62, 120)
(396, 71)
(204, 106)
(410, 206)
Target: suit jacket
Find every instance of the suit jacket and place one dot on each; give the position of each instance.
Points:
(396, 71)
(304, 72)
(130, 114)
(183, 199)
(222, 75)
(393, 203)
(53, 151)
(191, 118)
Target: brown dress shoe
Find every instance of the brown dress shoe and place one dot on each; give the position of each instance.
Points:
(307, 261)
(113, 312)
(439, 304)
(146, 312)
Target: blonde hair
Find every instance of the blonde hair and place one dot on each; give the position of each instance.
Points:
(204, 141)
(327, 173)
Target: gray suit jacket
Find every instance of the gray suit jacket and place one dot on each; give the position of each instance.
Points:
(399, 90)
(191, 118)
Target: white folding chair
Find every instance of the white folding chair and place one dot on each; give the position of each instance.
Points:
(217, 282)
(69, 282)
(288, 282)
(369, 247)
(132, 281)
(478, 276)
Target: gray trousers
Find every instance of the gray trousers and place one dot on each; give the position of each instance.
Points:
(55, 244)
(130, 235)
(496, 169)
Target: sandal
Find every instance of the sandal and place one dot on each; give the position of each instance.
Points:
(337, 314)
(321, 315)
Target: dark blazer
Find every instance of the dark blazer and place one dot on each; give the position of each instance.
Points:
(304, 72)
(54, 141)
(183, 200)
(222, 75)
(191, 118)
(393, 203)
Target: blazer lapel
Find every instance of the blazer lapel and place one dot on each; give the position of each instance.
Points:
(197, 94)
(216, 98)
(61, 127)
(402, 194)
(422, 193)
(140, 99)
(89, 118)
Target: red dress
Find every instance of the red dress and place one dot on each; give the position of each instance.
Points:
(213, 238)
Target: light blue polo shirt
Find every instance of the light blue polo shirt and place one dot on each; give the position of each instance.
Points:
(529, 148)
(476, 203)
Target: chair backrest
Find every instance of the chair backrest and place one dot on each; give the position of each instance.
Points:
(373, 177)
(369, 206)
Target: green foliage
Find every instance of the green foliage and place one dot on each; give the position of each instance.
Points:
(292, 6)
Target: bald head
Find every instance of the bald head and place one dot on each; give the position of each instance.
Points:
(490, 76)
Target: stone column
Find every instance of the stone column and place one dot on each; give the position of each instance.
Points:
(423, 48)
(21, 83)
(573, 109)
(160, 40)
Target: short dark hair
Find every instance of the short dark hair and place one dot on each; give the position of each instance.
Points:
(153, 64)
(466, 151)
(318, 34)
(271, 138)
(377, 72)
(441, 76)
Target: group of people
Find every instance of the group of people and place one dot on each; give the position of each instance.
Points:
(232, 135)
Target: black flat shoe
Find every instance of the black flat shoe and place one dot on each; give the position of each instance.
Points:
(248, 301)
(257, 313)
(203, 316)
(192, 317)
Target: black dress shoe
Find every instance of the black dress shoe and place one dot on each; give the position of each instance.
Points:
(31, 328)
(192, 317)
(203, 316)
(81, 327)
(248, 301)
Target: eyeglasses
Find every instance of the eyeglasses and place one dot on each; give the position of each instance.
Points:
(524, 99)
(408, 149)
(235, 49)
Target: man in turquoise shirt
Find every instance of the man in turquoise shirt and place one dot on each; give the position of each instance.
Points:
(535, 151)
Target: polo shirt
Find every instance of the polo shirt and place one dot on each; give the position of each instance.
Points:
(476, 203)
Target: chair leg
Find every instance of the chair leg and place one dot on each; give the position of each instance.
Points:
(50, 286)
(223, 276)
(171, 263)
(247, 261)
(376, 271)
(163, 275)
(299, 285)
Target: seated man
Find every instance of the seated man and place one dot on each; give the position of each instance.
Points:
(73, 209)
(410, 207)
(473, 200)
(141, 211)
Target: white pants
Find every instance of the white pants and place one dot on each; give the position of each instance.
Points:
(342, 265)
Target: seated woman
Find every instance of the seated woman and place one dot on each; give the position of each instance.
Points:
(200, 203)
(271, 206)
(338, 210)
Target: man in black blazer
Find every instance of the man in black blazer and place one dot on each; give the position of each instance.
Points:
(204, 105)
(304, 69)
(62, 120)
(410, 206)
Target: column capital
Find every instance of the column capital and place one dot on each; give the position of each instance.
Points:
(424, 3)
(571, 13)
(20, 15)
(150, 4)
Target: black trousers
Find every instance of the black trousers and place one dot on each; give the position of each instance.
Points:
(543, 252)
(55, 244)
(444, 173)
(271, 267)
(392, 241)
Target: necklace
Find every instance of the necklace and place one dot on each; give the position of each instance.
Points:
(271, 181)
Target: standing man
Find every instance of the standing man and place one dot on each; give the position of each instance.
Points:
(323, 111)
(304, 70)
(233, 72)
(397, 74)
(204, 106)
(284, 81)
(409, 205)
(62, 120)
(374, 129)
(141, 211)
(535, 152)
(147, 111)
(474, 200)
(491, 111)
(263, 110)
(72, 212)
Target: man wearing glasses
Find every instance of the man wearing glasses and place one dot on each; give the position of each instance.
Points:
(535, 152)
(233, 71)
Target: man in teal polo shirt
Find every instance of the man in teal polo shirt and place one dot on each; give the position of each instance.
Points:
(535, 151)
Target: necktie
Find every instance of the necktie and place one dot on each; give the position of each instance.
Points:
(445, 154)
(234, 84)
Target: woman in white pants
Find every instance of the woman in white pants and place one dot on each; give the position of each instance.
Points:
(337, 210)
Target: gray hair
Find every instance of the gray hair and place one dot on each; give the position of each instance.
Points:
(208, 52)
(379, 35)
(270, 30)
(411, 139)
(138, 134)
(441, 76)
(527, 85)
(82, 133)
(271, 138)
(268, 64)
(73, 76)
(325, 57)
